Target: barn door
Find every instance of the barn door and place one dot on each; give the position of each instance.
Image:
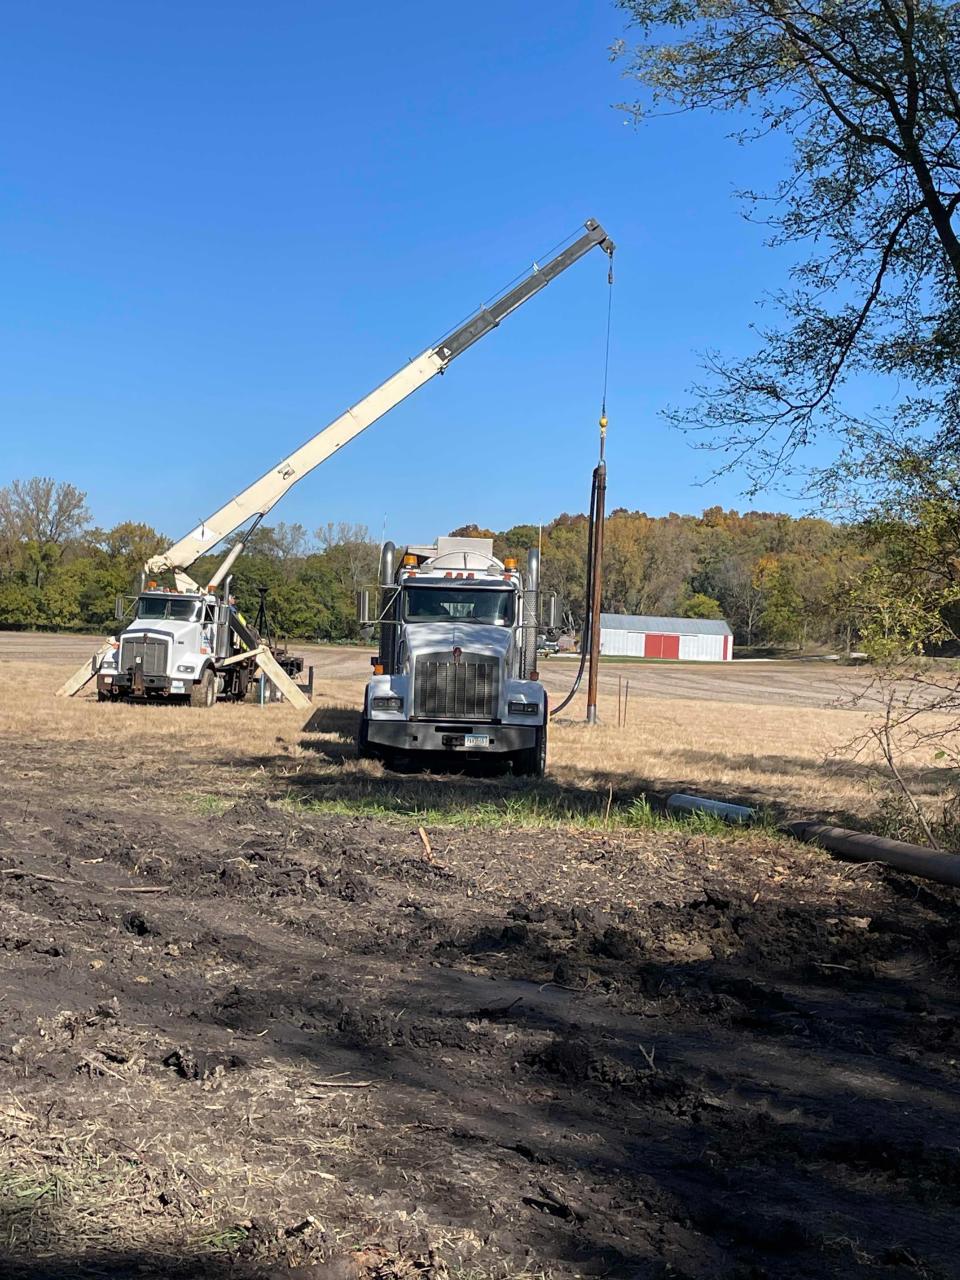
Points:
(671, 647)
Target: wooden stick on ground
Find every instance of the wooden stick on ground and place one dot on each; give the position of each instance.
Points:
(427, 846)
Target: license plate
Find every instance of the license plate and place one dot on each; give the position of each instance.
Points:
(476, 739)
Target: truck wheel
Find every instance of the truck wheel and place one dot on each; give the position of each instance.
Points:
(532, 763)
(363, 740)
(204, 691)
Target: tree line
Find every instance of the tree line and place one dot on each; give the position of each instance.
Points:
(779, 580)
(60, 571)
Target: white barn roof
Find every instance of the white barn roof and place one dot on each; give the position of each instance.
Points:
(668, 626)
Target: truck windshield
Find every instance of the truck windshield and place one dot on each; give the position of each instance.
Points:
(167, 607)
(492, 606)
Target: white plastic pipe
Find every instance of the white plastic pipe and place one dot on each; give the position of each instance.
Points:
(700, 804)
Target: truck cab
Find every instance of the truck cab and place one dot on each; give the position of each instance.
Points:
(171, 649)
(456, 674)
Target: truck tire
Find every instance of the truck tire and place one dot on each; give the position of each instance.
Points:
(203, 693)
(532, 763)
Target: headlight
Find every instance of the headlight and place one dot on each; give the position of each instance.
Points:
(387, 702)
(186, 669)
(523, 708)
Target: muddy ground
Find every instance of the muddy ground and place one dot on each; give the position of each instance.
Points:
(238, 1039)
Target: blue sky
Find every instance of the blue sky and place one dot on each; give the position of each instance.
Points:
(224, 223)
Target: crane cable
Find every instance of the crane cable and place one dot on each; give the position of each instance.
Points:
(591, 521)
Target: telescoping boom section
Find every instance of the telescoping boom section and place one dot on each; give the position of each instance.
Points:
(258, 498)
(191, 643)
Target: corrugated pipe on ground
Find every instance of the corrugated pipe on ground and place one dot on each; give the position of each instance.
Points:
(857, 846)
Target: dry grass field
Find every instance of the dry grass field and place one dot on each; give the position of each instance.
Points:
(787, 736)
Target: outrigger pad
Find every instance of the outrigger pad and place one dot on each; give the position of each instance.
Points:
(268, 664)
(83, 675)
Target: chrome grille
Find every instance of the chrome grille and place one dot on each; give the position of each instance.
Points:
(448, 690)
(151, 652)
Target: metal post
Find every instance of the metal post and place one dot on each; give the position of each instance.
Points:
(310, 683)
(263, 690)
(597, 553)
(619, 696)
(626, 699)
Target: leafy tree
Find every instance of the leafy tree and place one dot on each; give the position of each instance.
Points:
(350, 554)
(42, 515)
(867, 93)
(516, 541)
(471, 531)
(129, 542)
(19, 605)
(700, 606)
(782, 612)
(910, 597)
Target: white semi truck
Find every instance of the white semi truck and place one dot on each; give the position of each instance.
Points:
(189, 645)
(188, 641)
(456, 673)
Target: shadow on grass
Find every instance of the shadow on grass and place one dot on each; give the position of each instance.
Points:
(574, 794)
(339, 725)
(493, 796)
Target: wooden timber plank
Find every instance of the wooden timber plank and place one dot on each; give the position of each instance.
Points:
(268, 664)
(83, 675)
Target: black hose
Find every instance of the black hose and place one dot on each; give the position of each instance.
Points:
(859, 846)
(588, 600)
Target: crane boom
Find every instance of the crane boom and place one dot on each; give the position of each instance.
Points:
(258, 498)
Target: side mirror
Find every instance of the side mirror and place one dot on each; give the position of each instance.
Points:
(118, 609)
(363, 608)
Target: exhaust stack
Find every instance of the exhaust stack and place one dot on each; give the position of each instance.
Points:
(387, 609)
(531, 606)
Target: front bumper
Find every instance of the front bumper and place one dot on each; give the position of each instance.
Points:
(444, 735)
(122, 685)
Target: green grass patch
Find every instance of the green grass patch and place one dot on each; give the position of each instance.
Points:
(526, 811)
(478, 804)
(211, 806)
(226, 1241)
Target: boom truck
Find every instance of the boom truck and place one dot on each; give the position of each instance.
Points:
(456, 671)
(189, 642)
